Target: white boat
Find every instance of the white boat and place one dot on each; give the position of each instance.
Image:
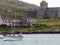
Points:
(12, 38)
(1, 36)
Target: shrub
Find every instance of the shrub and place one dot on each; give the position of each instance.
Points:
(3, 25)
(47, 17)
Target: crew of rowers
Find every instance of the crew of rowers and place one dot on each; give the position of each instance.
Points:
(13, 34)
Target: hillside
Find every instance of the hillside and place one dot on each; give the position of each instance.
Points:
(17, 4)
(15, 7)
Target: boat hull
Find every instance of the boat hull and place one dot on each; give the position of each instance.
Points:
(12, 38)
(1, 36)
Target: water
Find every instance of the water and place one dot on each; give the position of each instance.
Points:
(35, 39)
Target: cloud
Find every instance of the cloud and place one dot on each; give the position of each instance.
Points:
(51, 3)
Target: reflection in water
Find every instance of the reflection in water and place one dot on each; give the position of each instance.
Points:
(35, 39)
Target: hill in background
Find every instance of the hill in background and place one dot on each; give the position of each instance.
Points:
(15, 7)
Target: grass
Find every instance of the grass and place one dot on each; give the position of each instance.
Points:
(51, 21)
(14, 15)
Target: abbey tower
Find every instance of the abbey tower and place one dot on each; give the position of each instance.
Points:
(42, 9)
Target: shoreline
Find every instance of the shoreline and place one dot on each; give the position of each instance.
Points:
(50, 32)
(43, 32)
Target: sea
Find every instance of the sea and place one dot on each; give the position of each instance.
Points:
(35, 39)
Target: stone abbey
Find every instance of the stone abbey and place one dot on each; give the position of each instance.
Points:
(45, 11)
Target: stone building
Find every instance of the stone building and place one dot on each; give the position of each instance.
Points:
(45, 11)
(27, 21)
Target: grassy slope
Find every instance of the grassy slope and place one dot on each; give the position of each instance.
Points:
(51, 21)
(11, 6)
(27, 6)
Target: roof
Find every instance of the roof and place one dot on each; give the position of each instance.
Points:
(53, 8)
(31, 20)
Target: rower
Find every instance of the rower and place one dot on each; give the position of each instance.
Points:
(20, 33)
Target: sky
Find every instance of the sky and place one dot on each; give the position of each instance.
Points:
(51, 3)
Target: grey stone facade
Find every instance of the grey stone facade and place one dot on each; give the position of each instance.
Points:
(45, 11)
